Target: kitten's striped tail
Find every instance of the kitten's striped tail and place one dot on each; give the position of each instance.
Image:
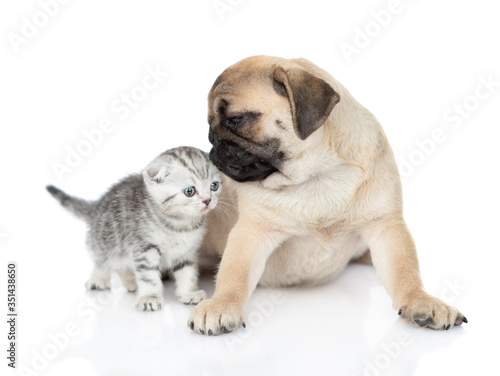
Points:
(83, 209)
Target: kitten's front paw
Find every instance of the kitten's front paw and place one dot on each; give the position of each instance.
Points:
(192, 297)
(424, 310)
(216, 316)
(149, 303)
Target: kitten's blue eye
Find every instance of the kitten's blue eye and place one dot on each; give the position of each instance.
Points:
(214, 186)
(190, 191)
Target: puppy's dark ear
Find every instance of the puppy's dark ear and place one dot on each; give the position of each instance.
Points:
(311, 99)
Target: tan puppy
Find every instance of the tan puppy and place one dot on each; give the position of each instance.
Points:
(311, 185)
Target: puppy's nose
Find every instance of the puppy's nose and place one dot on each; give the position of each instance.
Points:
(207, 201)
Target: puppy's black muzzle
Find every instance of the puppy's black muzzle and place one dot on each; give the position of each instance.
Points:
(238, 164)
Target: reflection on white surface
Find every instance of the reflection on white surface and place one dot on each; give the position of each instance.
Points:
(345, 327)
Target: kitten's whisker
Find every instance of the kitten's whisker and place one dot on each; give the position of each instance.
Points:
(222, 213)
(225, 203)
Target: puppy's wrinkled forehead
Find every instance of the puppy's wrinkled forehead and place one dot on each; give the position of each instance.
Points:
(240, 89)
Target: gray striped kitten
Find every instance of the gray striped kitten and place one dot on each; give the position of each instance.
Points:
(149, 224)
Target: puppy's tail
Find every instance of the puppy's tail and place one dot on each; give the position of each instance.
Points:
(83, 209)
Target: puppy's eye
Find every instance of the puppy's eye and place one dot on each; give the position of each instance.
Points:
(214, 186)
(190, 191)
(235, 120)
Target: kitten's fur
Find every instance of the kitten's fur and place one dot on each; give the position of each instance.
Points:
(146, 225)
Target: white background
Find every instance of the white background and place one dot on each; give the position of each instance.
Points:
(428, 58)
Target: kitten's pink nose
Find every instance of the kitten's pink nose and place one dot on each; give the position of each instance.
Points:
(207, 201)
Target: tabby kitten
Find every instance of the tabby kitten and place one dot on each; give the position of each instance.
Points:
(150, 224)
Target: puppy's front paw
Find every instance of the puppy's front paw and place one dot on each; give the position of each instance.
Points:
(216, 316)
(192, 297)
(149, 303)
(427, 311)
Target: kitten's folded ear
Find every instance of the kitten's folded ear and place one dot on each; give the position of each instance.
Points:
(155, 172)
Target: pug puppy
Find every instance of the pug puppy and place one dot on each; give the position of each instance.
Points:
(310, 184)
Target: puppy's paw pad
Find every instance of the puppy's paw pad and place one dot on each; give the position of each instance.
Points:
(422, 319)
(149, 303)
(192, 297)
(426, 311)
(215, 316)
